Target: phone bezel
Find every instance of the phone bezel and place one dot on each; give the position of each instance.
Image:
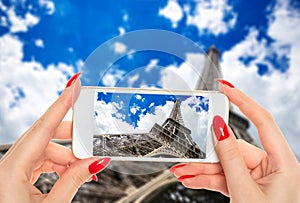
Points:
(83, 121)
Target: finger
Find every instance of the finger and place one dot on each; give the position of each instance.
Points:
(237, 174)
(48, 167)
(59, 154)
(31, 145)
(198, 169)
(269, 133)
(63, 131)
(55, 158)
(209, 182)
(59, 169)
(43, 130)
(77, 174)
(252, 155)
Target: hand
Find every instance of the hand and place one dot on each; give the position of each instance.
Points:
(33, 154)
(246, 173)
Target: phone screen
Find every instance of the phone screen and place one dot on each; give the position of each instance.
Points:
(150, 125)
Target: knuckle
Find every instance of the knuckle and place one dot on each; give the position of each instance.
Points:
(267, 118)
(41, 126)
(65, 100)
(208, 182)
(37, 124)
(267, 115)
(229, 153)
(77, 180)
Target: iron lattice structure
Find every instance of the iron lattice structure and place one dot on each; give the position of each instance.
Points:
(160, 186)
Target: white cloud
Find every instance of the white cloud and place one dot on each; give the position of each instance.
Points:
(40, 86)
(119, 48)
(132, 79)
(3, 21)
(39, 43)
(125, 17)
(153, 63)
(213, 16)
(186, 75)
(134, 109)
(278, 92)
(173, 12)
(2, 6)
(195, 121)
(151, 105)
(121, 31)
(161, 112)
(49, 5)
(110, 124)
(112, 77)
(19, 24)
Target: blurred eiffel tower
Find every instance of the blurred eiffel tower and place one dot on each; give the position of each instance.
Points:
(207, 81)
(160, 186)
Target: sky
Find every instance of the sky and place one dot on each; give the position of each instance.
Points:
(137, 113)
(43, 43)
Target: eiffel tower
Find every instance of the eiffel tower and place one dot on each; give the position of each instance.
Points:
(160, 186)
(171, 139)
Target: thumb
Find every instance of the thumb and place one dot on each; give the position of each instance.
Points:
(78, 173)
(237, 174)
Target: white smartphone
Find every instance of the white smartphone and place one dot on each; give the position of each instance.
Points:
(129, 124)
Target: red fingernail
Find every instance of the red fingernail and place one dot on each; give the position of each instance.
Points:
(95, 178)
(181, 178)
(225, 82)
(220, 128)
(73, 79)
(172, 169)
(99, 165)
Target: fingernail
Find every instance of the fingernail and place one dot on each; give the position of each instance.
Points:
(181, 178)
(73, 79)
(172, 169)
(225, 82)
(99, 165)
(220, 128)
(95, 178)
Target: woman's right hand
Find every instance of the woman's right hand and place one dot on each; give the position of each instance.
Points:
(246, 173)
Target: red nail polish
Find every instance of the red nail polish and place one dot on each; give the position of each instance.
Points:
(99, 165)
(220, 128)
(95, 178)
(225, 82)
(181, 178)
(172, 169)
(73, 79)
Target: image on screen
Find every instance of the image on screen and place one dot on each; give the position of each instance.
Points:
(150, 125)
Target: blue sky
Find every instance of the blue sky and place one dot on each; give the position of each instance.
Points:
(133, 106)
(42, 43)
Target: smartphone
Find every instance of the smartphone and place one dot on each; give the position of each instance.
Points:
(133, 124)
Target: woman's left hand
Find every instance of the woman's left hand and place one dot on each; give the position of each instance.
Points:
(34, 153)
